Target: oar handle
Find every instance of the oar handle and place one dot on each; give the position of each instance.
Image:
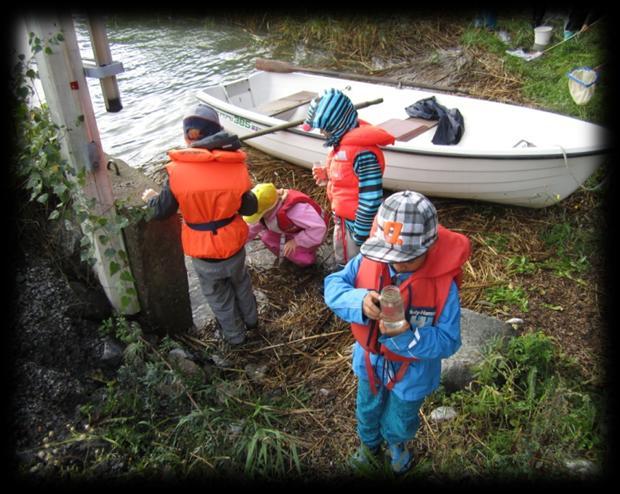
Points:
(294, 123)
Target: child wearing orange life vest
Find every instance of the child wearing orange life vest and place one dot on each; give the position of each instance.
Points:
(398, 368)
(208, 182)
(289, 223)
(354, 169)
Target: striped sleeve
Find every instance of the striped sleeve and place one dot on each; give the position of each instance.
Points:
(368, 171)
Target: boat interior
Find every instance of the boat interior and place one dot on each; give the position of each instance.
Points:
(295, 106)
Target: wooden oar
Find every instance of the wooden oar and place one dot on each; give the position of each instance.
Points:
(286, 67)
(294, 123)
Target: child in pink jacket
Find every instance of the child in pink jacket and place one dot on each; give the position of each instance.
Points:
(290, 223)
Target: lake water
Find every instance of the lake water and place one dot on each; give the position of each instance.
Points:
(165, 61)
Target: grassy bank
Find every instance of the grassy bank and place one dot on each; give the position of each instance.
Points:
(536, 404)
(378, 45)
(527, 415)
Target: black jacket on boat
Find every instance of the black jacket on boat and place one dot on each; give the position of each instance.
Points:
(451, 124)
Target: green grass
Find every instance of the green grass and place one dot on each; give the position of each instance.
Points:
(528, 412)
(155, 418)
(545, 80)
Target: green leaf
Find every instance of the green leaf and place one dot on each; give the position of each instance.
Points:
(126, 276)
(114, 268)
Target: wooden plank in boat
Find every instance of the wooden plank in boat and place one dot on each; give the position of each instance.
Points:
(280, 105)
(407, 129)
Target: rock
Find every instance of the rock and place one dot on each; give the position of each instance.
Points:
(179, 353)
(178, 359)
(256, 372)
(327, 393)
(220, 361)
(581, 467)
(477, 331)
(236, 428)
(112, 355)
(443, 413)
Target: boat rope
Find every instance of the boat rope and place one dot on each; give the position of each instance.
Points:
(580, 185)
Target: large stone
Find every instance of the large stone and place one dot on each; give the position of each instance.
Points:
(477, 332)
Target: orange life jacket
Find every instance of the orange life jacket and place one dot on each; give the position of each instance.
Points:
(295, 197)
(343, 185)
(426, 291)
(208, 186)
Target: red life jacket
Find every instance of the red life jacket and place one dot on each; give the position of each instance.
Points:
(295, 197)
(208, 186)
(427, 288)
(343, 185)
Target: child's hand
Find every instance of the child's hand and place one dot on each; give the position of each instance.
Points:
(319, 173)
(147, 194)
(370, 305)
(289, 247)
(393, 332)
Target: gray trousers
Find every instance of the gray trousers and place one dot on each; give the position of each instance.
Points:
(227, 286)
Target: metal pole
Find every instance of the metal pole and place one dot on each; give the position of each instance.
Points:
(103, 58)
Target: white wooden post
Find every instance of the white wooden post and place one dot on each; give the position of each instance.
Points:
(68, 98)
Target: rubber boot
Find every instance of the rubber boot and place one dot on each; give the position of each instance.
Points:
(401, 458)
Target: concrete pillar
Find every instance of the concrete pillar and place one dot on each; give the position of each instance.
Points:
(155, 256)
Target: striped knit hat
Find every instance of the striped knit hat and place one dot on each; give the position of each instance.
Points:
(406, 227)
(332, 112)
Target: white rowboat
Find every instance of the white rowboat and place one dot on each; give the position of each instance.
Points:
(508, 154)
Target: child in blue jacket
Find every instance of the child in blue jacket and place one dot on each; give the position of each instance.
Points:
(397, 369)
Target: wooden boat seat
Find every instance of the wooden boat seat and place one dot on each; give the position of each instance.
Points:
(407, 129)
(281, 105)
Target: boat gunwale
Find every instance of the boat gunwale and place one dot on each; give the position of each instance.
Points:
(267, 121)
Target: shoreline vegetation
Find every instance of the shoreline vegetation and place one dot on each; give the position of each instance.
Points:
(537, 409)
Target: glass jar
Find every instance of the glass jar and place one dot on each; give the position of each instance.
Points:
(392, 307)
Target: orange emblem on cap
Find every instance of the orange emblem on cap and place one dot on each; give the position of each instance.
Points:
(391, 232)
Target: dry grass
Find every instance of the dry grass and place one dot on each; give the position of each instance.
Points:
(308, 350)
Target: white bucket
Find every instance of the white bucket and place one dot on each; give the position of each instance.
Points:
(542, 35)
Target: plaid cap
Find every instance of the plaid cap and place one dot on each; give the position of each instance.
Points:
(406, 227)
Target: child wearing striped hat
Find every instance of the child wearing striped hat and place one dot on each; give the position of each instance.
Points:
(397, 368)
(354, 169)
